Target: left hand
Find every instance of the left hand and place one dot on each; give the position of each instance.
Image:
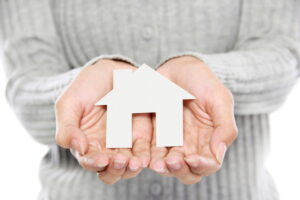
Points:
(81, 126)
(209, 124)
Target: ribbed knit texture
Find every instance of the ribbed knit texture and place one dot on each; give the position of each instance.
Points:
(251, 45)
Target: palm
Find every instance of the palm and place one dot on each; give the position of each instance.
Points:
(197, 132)
(198, 125)
(198, 128)
(93, 124)
(80, 118)
(93, 119)
(198, 122)
(208, 123)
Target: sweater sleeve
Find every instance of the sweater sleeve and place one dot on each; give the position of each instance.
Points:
(264, 64)
(36, 69)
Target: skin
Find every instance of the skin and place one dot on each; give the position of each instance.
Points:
(209, 126)
(81, 126)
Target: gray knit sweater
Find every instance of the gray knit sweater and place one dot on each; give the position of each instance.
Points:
(251, 45)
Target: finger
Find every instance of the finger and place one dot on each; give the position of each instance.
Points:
(224, 123)
(134, 165)
(115, 169)
(141, 149)
(178, 167)
(142, 129)
(157, 162)
(202, 166)
(133, 169)
(68, 133)
(96, 162)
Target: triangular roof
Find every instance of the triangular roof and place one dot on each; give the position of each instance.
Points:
(147, 76)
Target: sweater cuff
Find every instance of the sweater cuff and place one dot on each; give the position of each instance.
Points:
(246, 101)
(73, 73)
(32, 94)
(112, 57)
(216, 66)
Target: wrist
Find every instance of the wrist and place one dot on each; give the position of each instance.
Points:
(113, 63)
(109, 65)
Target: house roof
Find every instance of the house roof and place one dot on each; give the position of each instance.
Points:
(143, 81)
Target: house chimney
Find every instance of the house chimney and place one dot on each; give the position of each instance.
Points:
(122, 78)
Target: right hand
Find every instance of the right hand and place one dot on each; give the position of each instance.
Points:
(209, 126)
(81, 126)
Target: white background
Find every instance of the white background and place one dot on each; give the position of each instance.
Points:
(20, 154)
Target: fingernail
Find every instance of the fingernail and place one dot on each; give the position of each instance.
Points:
(74, 145)
(81, 148)
(145, 162)
(88, 161)
(192, 162)
(221, 152)
(78, 146)
(133, 168)
(118, 164)
(159, 167)
(160, 170)
(174, 165)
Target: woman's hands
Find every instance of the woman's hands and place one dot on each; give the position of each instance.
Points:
(81, 126)
(209, 124)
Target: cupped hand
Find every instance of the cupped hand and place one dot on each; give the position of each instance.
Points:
(81, 126)
(209, 124)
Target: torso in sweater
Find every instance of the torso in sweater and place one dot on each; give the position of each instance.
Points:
(251, 45)
(150, 31)
(146, 31)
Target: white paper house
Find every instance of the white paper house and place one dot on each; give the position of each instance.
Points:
(144, 91)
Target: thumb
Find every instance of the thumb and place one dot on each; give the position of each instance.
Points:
(225, 131)
(222, 137)
(68, 133)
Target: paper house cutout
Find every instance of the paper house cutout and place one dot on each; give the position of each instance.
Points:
(144, 91)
